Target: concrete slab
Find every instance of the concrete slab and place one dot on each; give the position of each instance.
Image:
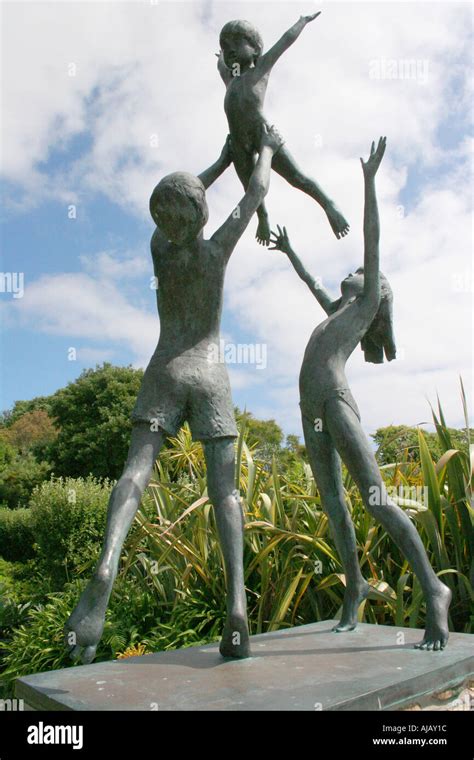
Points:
(304, 668)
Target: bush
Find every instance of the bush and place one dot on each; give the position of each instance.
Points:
(19, 474)
(68, 518)
(37, 643)
(16, 534)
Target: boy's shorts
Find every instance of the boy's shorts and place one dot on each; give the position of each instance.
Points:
(191, 388)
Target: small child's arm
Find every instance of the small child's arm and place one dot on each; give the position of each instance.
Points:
(208, 176)
(224, 71)
(267, 61)
(281, 243)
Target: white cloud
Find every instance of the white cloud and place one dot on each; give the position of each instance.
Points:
(145, 70)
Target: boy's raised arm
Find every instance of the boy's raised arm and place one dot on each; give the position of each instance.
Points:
(229, 233)
(282, 243)
(267, 61)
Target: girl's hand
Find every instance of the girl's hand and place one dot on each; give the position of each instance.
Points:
(370, 166)
(307, 19)
(281, 241)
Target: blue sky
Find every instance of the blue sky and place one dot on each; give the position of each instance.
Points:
(148, 70)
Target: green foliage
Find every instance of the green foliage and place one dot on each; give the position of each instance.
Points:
(33, 430)
(170, 591)
(92, 415)
(392, 441)
(16, 534)
(68, 518)
(19, 474)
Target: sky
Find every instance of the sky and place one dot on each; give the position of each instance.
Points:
(99, 100)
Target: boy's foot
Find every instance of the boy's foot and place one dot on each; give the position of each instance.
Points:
(352, 599)
(263, 231)
(235, 638)
(338, 223)
(437, 632)
(83, 629)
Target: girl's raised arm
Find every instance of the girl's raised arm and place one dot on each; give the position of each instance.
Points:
(281, 243)
(371, 223)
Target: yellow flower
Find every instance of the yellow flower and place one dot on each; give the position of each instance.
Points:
(134, 651)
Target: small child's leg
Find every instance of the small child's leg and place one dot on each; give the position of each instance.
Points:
(244, 165)
(285, 165)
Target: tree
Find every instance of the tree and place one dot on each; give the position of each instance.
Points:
(266, 435)
(93, 417)
(19, 474)
(34, 429)
(394, 440)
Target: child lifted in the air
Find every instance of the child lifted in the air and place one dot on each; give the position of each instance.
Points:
(245, 72)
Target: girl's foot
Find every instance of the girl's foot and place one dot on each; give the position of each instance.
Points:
(437, 632)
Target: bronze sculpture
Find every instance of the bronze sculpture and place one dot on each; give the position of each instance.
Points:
(331, 419)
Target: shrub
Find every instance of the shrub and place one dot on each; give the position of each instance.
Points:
(68, 518)
(16, 534)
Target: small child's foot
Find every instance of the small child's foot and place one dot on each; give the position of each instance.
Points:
(352, 599)
(338, 223)
(263, 231)
(235, 640)
(437, 632)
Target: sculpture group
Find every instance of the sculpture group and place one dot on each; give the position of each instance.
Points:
(183, 383)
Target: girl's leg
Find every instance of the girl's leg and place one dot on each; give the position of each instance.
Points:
(84, 627)
(244, 166)
(285, 165)
(353, 446)
(220, 462)
(326, 468)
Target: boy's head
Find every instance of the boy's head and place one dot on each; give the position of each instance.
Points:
(240, 43)
(179, 208)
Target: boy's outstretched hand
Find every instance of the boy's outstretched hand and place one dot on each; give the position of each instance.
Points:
(370, 166)
(281, 241)
(271, 138)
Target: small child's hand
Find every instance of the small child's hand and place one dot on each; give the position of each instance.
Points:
(370, 166)
(307, 19)
(271, 138)
(281, 241)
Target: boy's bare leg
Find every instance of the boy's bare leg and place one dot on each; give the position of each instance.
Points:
(244, 166)
(285, 165)
(84, 627)
(220, 461)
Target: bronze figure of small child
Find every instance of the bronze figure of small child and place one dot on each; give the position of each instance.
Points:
(245, 70)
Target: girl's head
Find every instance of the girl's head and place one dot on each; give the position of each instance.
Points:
(379, 338)
(179, 208)
(240, 43)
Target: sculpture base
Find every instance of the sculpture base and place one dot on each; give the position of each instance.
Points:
(308, 667)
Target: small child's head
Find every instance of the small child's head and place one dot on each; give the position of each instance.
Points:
(179, 208)
(379, 338)
(240, 43)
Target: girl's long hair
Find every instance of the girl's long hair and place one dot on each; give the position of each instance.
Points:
(379, 338)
